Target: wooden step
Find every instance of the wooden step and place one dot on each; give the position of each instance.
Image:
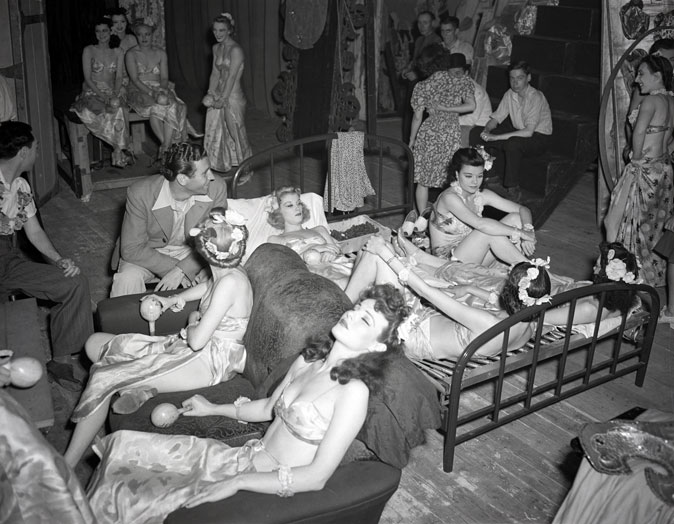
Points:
(539, 175)
(556, 55)
(571, 23)
(571, 94)
(588, 4)
(574, 136)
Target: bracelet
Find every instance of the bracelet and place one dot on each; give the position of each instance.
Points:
(528, 227)
(285, 477)
(388, 260)
(404, 276)
(516, 236)
(180, 303)
(493, 298)
(237, 405)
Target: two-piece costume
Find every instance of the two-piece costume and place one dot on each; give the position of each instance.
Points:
(447, 225)
(174, 112)
(227, 146)
(131, 360)
(338, 270)
(143, 477)
(104, 122)
(641, 203)
(71, 320)
(439, 136)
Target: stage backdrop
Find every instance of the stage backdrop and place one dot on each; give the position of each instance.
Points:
(623, 23)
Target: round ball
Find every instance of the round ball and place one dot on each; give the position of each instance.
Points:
(162, 100)
(311, 256)
(150, 309)
(114, 103)
(24, 372)
(164, 415)
(208, 100)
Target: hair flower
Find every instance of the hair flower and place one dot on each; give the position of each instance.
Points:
(218, 218)
(237, 235)
(229, 17)
(271, 203)
(234, 218)
(532, 273)
(525, 282)
(616, 270)
(194, 231)
(488, 159)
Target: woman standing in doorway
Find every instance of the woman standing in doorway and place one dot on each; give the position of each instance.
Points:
(225, 140)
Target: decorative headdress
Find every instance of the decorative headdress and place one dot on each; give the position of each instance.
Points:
(229, 17)
(271, 203)
(488, 159)
(238, 235)
(616, 269)
(525, 282)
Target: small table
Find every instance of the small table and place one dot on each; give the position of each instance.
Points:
(20, 332)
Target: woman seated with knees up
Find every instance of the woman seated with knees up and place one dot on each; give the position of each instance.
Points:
(316, 413)
(459, 231)
(287, 212)
(208, 351)
(445, 330)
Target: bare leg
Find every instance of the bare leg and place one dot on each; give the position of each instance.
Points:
(476, 246)
(422, 257)
(421, 197)
(369, 269)
(194, 375)
(158, 129)
(167, 136)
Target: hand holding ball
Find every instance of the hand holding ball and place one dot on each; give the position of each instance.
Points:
(162, 99)
(150, 310)
(24, 372)
(208, 100)
(114, 103)
(164, 415)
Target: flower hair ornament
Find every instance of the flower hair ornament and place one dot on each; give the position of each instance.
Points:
(234, 219)
(488, 159)
(229, 17)
(525, 282)
(271, 203)
(616, 269)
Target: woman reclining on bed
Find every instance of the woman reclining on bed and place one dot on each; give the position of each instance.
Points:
(317, 411)
(446, 330)
(286, 212)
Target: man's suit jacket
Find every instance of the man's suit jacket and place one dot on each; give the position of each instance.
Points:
(145, 230)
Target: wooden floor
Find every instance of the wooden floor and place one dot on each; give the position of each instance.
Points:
(519, 473)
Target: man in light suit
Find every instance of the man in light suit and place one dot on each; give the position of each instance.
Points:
(160, 211)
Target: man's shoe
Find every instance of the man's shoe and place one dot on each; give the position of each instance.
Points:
(64, 375)
(130, 401)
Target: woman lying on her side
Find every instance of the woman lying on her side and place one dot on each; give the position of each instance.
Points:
(317, 411)
(446, 330)
(315, 245)
(208, 351)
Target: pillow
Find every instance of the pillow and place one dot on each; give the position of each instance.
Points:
(259, 230)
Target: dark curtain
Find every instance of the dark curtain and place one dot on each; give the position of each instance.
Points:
(70, 26)
(189, 44)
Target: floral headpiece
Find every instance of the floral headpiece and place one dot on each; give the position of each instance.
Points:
(488, 159)
(616, 269)
(234, 219)
(271, 203)
(525, 282)
(229, 17)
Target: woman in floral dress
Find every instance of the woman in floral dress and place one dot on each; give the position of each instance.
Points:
(444, 95)
(641, 202)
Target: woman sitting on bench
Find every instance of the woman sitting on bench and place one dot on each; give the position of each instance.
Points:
(445, 330)
(317, 411)
(208, 351)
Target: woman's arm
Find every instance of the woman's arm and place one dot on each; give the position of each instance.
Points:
(235, 65)
(585, 312)
(467, 106)
(215, 74)
(132, 70)
(528, 234)
(646, 113)
(163, 70)
(188, 295)
(416, 124)
(119, 73)
(87, 55)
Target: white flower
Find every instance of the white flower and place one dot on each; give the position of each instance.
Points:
(629, 278)
(194, 231)
(615, 269)
(218, 218)
(234, 218)
(532, 273)
(237, 235)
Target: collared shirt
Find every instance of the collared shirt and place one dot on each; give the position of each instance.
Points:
(534, 110)
(459, 46)
(482, 112)
(16, 204)
(180, 209)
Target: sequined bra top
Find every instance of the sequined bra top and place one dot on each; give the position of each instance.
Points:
(97, 66)
(302, 419)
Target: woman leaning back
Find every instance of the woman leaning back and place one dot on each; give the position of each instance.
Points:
(315, 413)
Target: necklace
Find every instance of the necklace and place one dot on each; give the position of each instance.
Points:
(662, 91)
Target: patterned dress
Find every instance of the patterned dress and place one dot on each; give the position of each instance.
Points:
(227, 147)
(131, 360)
(106, 123)
(439, 136)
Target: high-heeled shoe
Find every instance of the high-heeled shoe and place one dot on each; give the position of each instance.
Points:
(118, 159)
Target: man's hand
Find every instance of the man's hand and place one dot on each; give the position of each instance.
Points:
(68, 266)
(171, 280)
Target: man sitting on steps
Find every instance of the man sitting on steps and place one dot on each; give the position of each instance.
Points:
(521, 125)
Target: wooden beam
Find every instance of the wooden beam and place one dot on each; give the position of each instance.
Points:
(370, 73)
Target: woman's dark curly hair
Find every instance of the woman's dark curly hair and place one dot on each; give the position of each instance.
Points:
(181, 159)
(214, 239)
(13, 136)
(432, 59)
(114, 41)
(274, 217)
(509, 297)
(466, 156)
(616, 300)
(368, 367)
(228, 21)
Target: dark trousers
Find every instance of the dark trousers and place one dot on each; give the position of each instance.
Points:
(408, 87)
(71, 320)
(511, 152)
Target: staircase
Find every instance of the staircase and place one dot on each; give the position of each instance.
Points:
(564, 53)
